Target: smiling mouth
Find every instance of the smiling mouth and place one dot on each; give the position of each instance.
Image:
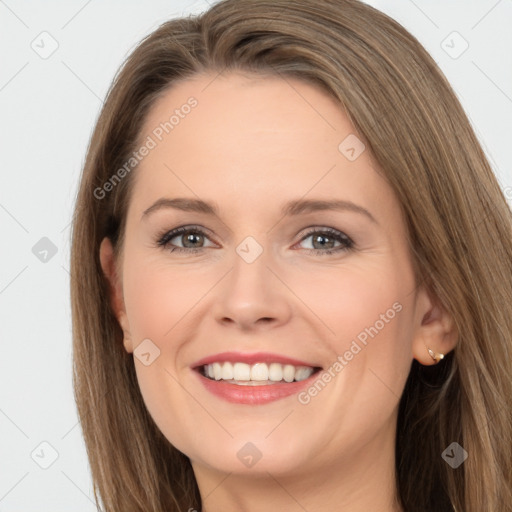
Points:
(258, 374)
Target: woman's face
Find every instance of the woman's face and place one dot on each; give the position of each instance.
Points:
(272, 286)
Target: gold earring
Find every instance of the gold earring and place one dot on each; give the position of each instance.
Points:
(434, 356)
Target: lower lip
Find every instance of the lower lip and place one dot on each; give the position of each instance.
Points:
(254, 395)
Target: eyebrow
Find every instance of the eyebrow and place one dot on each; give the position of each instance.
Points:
(291, 208)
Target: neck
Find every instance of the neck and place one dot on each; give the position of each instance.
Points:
(363, 481)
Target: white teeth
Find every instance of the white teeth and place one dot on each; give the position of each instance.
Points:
(259, 372)
(302, 373)
(217, 371)
(275, 372)
(241, 371)
(227, 371)
(288, 373)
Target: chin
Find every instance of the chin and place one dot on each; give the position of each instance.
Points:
(251, 455)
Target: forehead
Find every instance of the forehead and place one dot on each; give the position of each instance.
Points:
(250, 108)
(250, 137)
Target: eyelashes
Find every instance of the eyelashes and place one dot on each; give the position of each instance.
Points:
(345, 241)
(165, 239)
(195, 234)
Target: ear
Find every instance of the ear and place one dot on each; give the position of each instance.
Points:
(108, 264)
(435, 329)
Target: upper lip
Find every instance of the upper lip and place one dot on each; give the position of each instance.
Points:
(251, 358)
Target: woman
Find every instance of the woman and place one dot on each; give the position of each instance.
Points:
(292, 274)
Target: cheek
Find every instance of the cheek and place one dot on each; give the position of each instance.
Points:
(157, 300)
(369, 309)
(157, 296)
(367, 313)
(354, 302)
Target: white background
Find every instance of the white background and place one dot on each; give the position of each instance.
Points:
(48, 109)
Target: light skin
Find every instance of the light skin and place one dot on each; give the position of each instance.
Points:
(249, 146)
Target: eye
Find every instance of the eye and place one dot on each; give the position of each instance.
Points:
(324, 239)
(191, 236)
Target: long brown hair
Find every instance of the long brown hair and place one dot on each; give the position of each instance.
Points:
(459, 228)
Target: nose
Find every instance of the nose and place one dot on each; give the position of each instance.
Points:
(252, 296)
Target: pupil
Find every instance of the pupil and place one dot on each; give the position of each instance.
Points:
(319, 237)
(190, 238)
